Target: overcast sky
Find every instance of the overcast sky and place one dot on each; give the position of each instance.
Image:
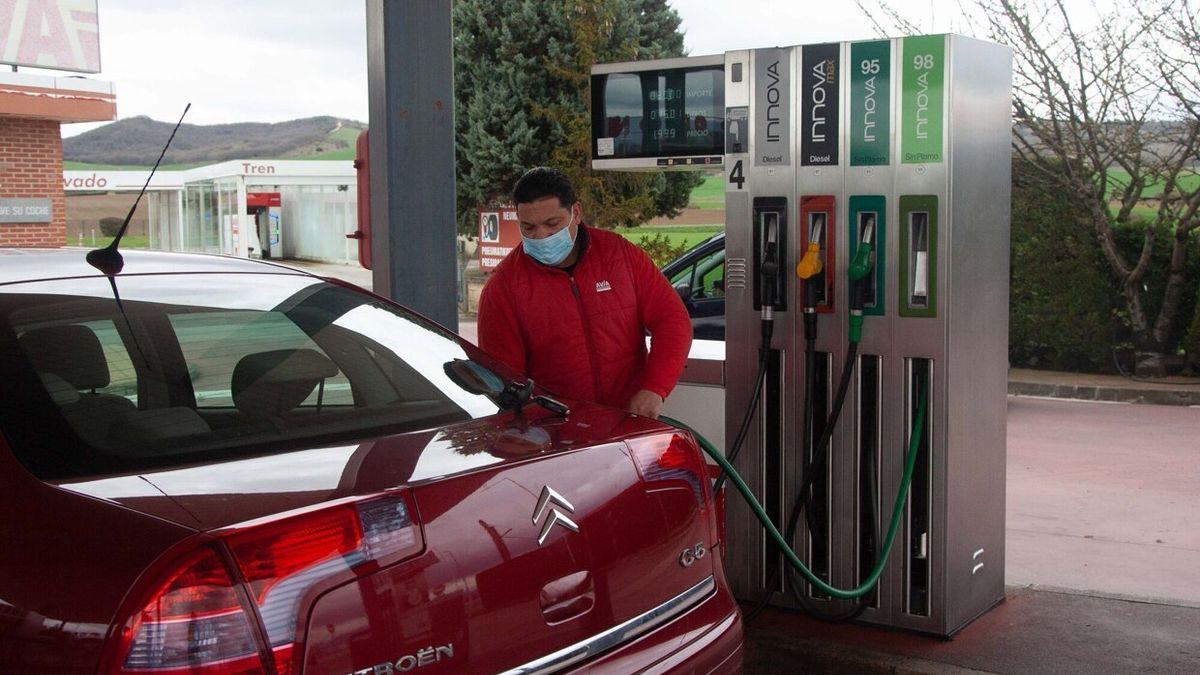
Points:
(275, 60)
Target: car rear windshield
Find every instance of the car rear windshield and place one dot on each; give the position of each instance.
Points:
(189, 368)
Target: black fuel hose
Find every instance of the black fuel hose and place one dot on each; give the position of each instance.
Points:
(767, 327)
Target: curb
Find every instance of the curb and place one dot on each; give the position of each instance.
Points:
(774, 654)
(1133, 394)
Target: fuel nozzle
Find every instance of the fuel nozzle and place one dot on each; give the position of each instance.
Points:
(768, 269)
(811, 270)
(811, 262)
(860, 273)
(864, 256)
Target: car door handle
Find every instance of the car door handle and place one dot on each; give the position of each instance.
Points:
(567, 597)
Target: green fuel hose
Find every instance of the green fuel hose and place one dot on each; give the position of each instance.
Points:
(865, 587)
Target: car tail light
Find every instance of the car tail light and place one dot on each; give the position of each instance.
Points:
(194, 620)
(714, 473)
(199, 620)
(675, 456)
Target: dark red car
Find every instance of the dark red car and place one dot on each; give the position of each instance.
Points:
(211, 465)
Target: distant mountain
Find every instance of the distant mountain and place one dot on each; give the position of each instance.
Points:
(137, 141)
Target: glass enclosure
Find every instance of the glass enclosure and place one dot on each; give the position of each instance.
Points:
(313, 219)
(165, 215)
(201, 222)
(316, 220)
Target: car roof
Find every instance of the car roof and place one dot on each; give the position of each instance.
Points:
(699, 249)
(17, 265)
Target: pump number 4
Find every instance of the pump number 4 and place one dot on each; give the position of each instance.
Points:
(736, 176)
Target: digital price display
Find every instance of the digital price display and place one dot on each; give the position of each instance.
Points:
(659, 114)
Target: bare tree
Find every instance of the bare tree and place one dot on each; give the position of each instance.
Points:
(1109, 115)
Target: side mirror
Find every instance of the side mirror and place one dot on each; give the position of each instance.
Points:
(684, 290)
(473, 377)
(478, 379)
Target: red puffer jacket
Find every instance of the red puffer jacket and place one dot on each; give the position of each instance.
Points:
(583, 335)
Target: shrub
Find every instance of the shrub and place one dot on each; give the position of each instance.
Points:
(1191, 344)
(1063, 302)
(110, 225)
(660, 249)
(1129, 240)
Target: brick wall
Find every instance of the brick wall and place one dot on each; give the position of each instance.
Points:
(31, 166)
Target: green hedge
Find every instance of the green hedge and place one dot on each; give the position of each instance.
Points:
(1066, 308)
(1129, 240)
(1062, 301)
(110, 225)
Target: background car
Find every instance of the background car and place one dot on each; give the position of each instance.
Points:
(699, 278)
(213, 465)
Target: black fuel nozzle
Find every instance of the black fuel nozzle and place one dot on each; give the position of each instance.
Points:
(517, 394)
(768, 270)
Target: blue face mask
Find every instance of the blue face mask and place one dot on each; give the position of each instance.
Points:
(550, 250)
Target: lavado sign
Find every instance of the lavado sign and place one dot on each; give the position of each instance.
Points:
(26, 211)
(84, 183)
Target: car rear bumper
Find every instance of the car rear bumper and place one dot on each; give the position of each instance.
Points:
(705, 639)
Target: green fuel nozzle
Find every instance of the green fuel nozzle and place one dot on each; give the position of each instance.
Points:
(860, 273)
(864, 257)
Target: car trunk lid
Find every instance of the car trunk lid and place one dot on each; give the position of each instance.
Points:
(530, 535)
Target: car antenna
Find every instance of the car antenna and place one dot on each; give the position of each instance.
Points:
(108, 259)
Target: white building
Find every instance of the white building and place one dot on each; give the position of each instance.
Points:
(300, 209)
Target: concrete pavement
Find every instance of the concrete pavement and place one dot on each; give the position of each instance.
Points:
(1031, 633)
(1105, 498)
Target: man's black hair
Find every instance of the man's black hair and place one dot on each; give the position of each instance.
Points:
(543, 181)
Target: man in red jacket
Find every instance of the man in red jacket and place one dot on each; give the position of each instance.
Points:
(571, 306)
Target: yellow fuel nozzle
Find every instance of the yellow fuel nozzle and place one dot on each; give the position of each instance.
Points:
(811, 264)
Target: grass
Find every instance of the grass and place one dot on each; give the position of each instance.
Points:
(1119, 178)
(1147, 210)
(128, 241)
(84, 166)
(347, 135)
(710, 194)
(689, 236)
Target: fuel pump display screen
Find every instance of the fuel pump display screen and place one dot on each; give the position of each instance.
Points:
(661, 113)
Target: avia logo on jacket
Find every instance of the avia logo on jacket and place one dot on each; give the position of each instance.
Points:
(602, 286)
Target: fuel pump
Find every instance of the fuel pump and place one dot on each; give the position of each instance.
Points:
(877, 172)
(810, 269)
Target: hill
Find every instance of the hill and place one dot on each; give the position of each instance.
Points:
(136, 141)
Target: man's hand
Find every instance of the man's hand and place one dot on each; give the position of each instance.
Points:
(646, 403)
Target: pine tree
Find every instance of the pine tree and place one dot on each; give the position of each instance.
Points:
(521, 86)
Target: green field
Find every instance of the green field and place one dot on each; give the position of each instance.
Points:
(689, 236)
(348, 135)
(1118, 178)
(84, 166)
(710, 194)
